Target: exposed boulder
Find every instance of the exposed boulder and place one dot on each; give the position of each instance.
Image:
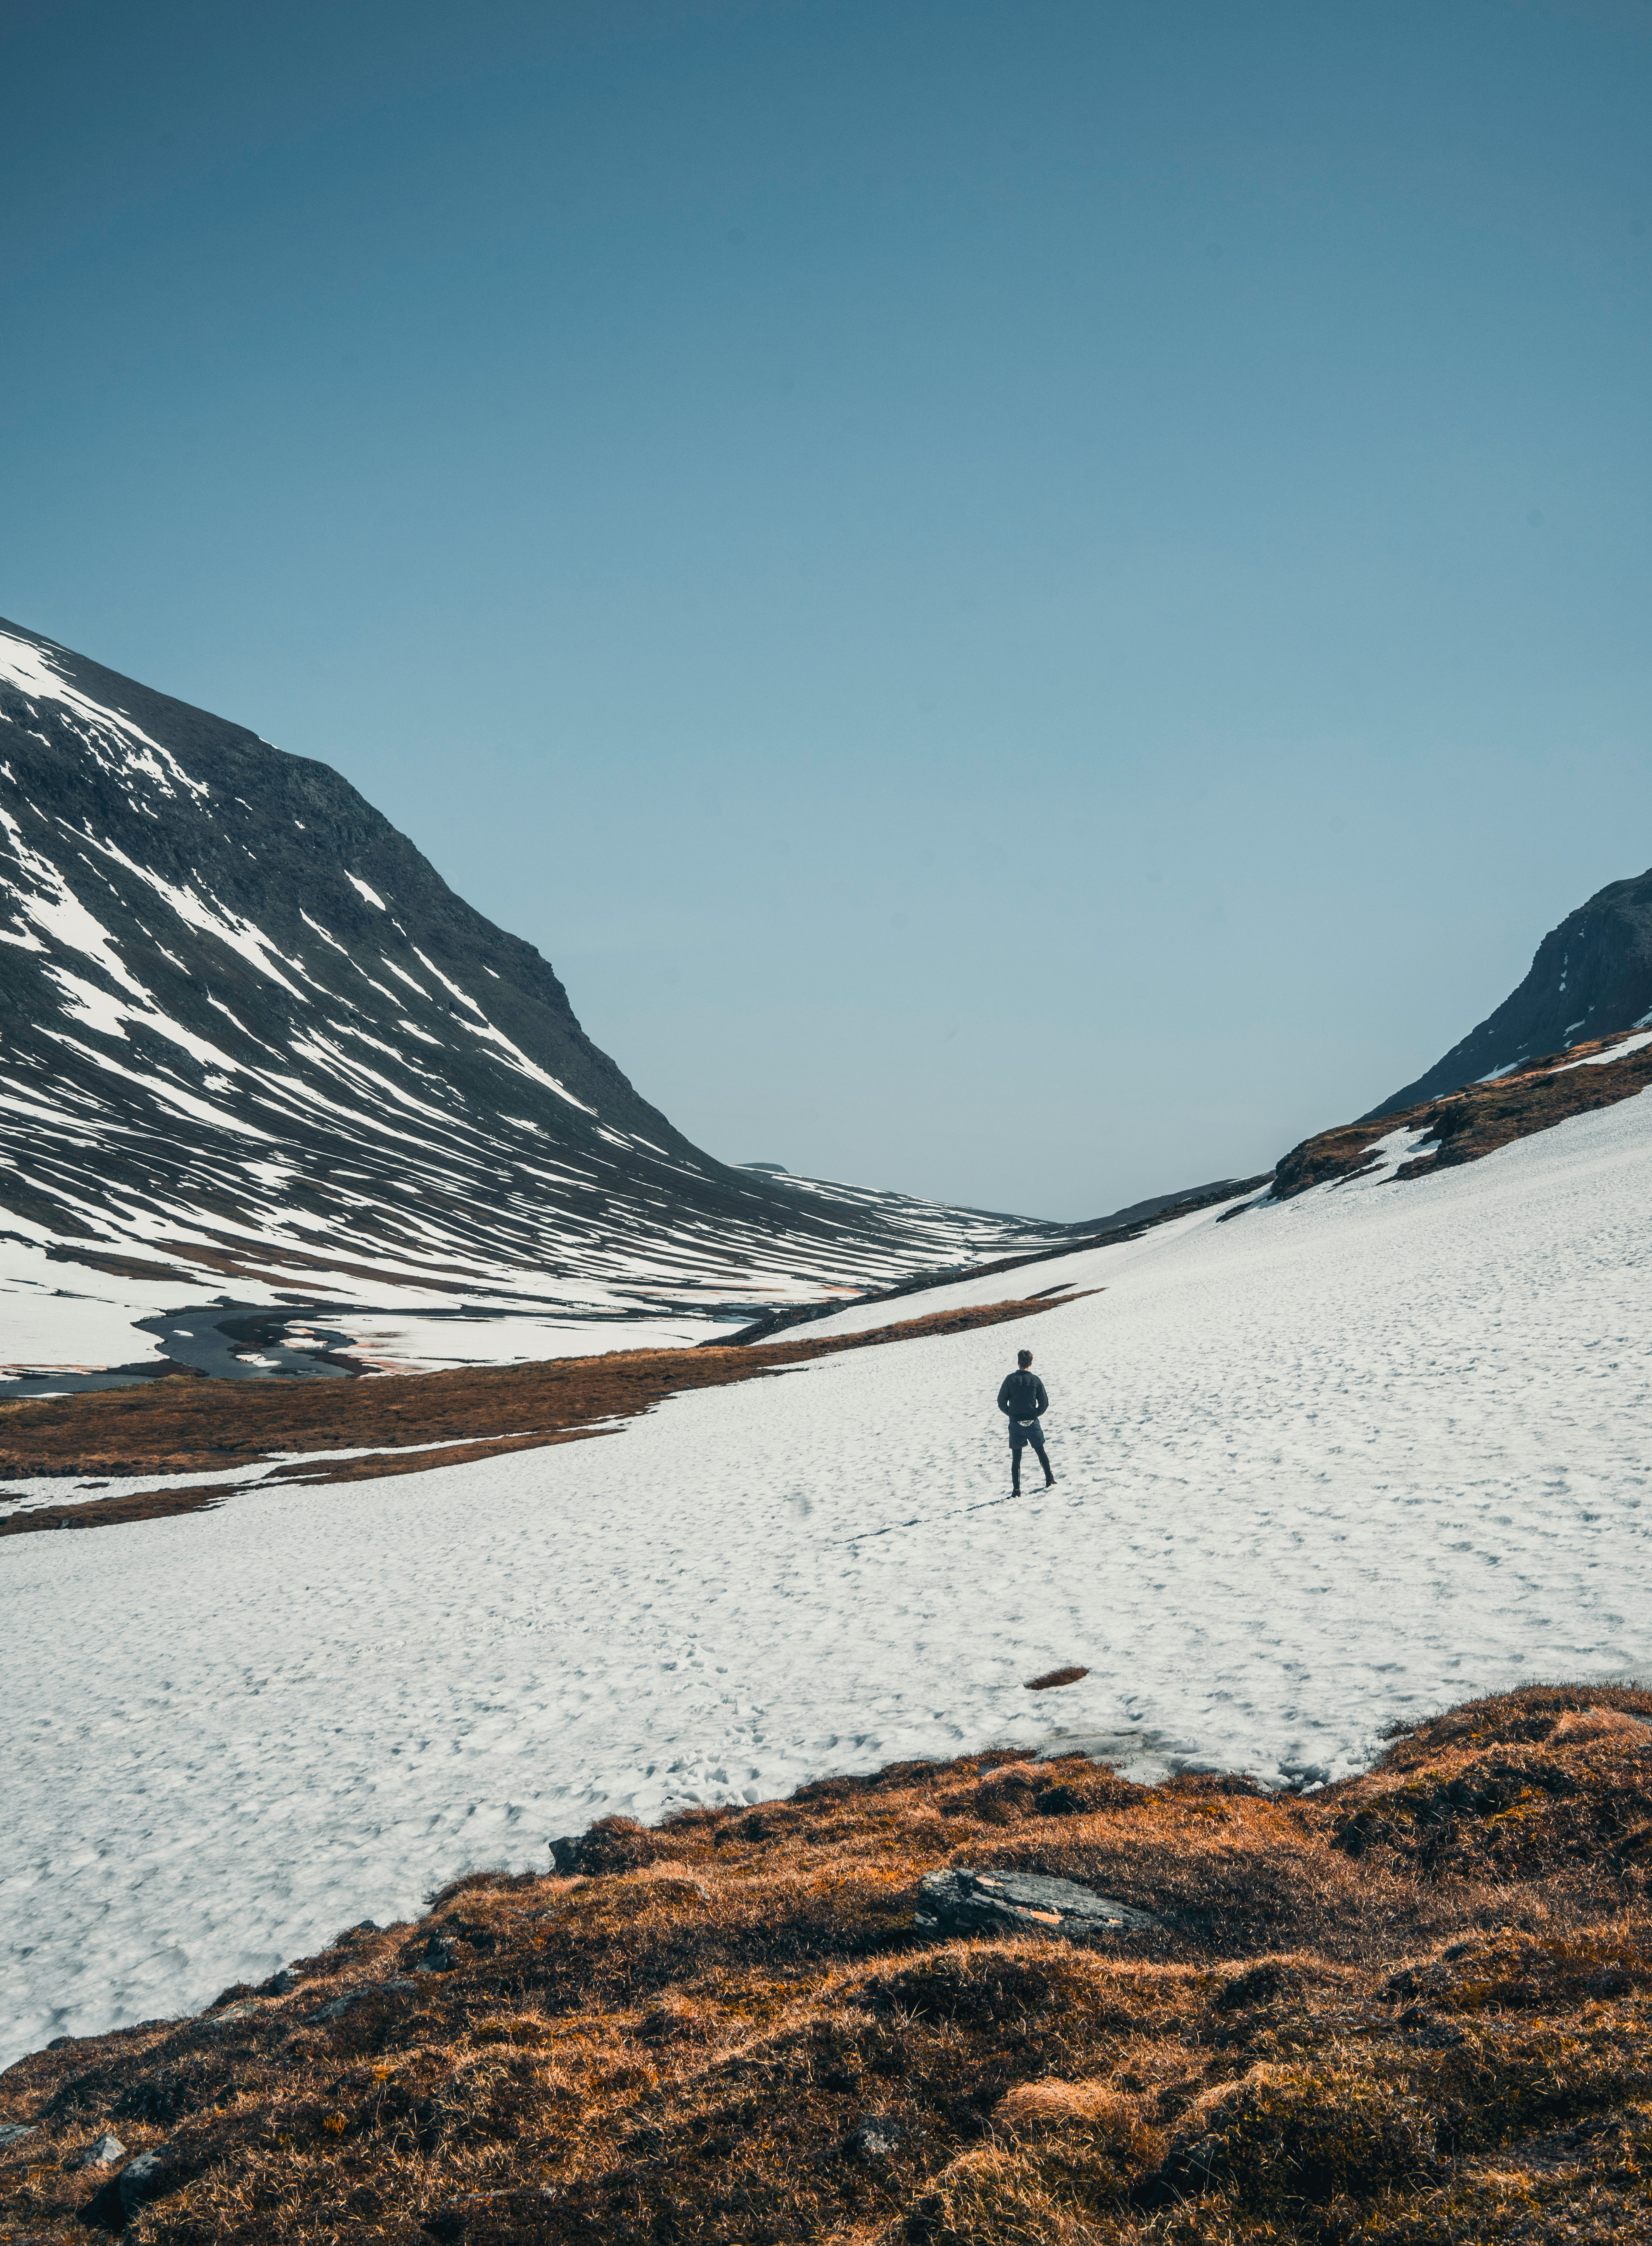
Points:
(102, 2154)
(960, 1901)
(149, 2176)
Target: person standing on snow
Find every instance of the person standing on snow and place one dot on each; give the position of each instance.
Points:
(1022, 1399)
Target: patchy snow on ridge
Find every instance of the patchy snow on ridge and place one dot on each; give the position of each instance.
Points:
(39, 672)
(1337, 1463)
(210, 950)
(1605, 1059)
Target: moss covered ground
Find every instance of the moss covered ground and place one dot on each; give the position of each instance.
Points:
(1413, 2008)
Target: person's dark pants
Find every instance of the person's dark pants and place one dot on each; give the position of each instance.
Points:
(1019, 1439)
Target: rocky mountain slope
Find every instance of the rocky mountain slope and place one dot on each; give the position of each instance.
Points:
(1463, 1126)
(1592, 976)
(257, 1052)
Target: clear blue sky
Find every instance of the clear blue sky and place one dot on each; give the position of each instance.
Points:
(1030, 600)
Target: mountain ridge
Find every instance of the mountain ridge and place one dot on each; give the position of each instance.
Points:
(1590, 978)
(256, 1043)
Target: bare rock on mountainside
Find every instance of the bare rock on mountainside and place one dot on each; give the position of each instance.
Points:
(962, 1900)
(1463, 1126)
(103, 2153)
(151, 2175)
(252, 1036)
(1592, 976)
(1183, 1202)
(1572, 1039)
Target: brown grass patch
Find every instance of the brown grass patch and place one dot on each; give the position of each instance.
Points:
(725, 2029)
(199, 1426)
(1475, 1121)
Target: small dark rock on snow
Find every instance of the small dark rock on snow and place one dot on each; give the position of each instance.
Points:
(959, 1900)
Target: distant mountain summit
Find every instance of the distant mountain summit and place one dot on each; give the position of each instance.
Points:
(252, 1040)
(1591, 978)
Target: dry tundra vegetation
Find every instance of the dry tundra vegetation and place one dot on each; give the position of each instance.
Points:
(1475, 1121)
(1413, 2008)
(188, 1426)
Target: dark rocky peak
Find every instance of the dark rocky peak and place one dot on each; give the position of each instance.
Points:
(250, 892)
(1591, 978)
(251, 1033)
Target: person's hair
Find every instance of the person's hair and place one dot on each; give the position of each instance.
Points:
(1023, 1357)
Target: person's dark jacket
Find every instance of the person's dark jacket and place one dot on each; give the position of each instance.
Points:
(1023, 1396)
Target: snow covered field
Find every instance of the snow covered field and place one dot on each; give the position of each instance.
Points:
(1332, 1464)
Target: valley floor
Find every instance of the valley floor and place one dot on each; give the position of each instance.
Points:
(1327, 1466)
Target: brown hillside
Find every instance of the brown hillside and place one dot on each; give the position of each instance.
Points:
(1476, 1121)
(1414, 2008)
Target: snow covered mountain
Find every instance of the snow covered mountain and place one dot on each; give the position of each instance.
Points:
(1592, 976)
(256, 1051)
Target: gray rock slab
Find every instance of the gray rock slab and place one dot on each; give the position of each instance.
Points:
(147, 2177)
(102, 2154)
(13, 2132)
(960, 1900)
